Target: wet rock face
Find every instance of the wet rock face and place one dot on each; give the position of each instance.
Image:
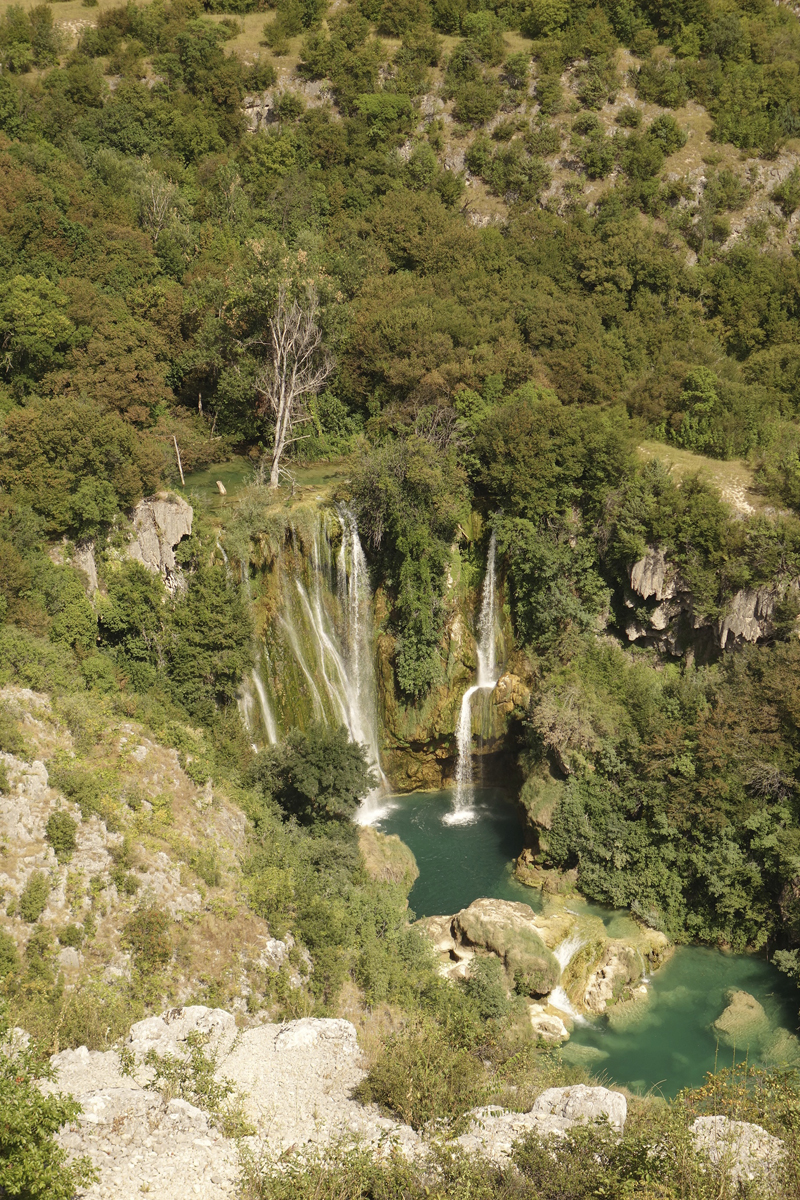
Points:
(160, 523)
(669, 622)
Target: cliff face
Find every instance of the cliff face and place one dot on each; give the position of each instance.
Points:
(669, 621)
(419, 746)
(159, 524)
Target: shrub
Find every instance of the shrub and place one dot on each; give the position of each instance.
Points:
(787, 194)
(9, 955)
(420, 1077)
(33, 900)
(32, 1164)
(629, 117)
(11, 741)
(146, 935)
(204, 863)
(60, 833)
(71, 935)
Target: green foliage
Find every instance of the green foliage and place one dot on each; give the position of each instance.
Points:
(408, 499)
(60, 832)
(147, 935)
(316, 775)
(74, 463)
(688, 775)
(72, 935)
(194, 1077)
(420, 1077)
(33, 898)
(11, 740)
(33, 1164)
(9, 956)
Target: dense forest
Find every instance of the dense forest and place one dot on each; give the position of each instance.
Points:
(536, 235)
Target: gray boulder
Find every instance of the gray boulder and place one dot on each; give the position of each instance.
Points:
(493, 1131)
(744, 1150)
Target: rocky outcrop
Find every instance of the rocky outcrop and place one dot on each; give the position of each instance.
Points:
(745, 1026)
(668, 619)
(619, 966)
(493, 1131)
(159, 524)
(563, 957)
(513, 932)
(742, 1150)
(293, 1086)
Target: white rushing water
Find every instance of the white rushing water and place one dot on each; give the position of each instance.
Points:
(321, 638)
(462, 811)
(564, 953)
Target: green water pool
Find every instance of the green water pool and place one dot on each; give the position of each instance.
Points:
(672, 1045)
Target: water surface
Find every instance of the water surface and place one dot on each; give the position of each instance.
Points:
(672, 1045)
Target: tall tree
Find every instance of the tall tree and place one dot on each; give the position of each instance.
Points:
(297, 365)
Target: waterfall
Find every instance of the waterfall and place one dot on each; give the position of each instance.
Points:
(461, 812)
(564, 954)
(317, 662)
(266, 711)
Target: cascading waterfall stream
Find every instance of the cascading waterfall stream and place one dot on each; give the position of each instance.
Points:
(317, 659)
(487, 678)
(564, 954)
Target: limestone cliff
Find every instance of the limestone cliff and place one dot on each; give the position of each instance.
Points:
(669, 620)
(159, 524)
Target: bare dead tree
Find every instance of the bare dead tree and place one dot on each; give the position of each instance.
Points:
(297, 366)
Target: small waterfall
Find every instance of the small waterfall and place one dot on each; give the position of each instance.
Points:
(266, 712)
(564, 954)
(461, 812)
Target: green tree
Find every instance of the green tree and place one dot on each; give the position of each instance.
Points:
(210, 648)
(60, 832)
(33, 898)
(75, 463)
(35, 331)
(315, 776)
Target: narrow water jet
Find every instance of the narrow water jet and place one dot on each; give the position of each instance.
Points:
(462, 811)
(267, 716)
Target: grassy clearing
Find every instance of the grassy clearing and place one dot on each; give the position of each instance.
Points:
(733, 477)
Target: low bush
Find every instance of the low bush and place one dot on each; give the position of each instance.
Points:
(32, 1165)
(421, 1076)
(33, 899)
(60, 832)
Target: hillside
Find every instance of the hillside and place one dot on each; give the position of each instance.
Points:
(395, 398)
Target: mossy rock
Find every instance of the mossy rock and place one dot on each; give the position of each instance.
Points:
(781, 1049)
(629, 1010)
(387, 859)
(509, 930)
(743, 1022)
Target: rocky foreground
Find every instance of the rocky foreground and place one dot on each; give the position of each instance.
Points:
(295, 1087)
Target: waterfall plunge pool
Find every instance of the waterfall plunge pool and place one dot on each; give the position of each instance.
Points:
(672, 1045)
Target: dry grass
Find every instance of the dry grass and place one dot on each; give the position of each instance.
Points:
(733, 478)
